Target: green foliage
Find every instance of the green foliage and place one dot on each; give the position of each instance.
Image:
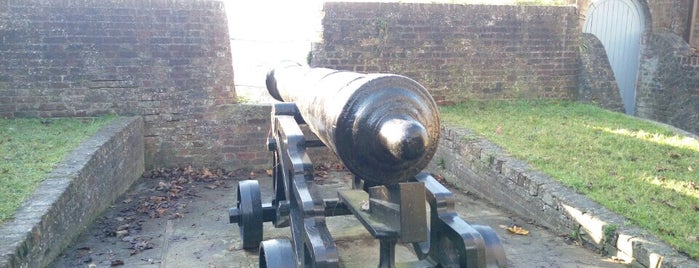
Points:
(639, 169)
(609, 231)
(241, 99)
(441, 164)
(29, 148)
(577, 235)
(382, 28)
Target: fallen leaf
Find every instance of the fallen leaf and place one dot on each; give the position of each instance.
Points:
(338, 166)
(180, 181)
(364, 205)
(674, 155)
(121, 233)
(517, 230)
(690, 168)
(498, 130)
(269, 172)
(207, 173)
(123, 227)
(161, 211)
(322, 174)
(127, 200)
(438, 177)
(188, 170)
(157, 199)
(162, 185)
(142, 245)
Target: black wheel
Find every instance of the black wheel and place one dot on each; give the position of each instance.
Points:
(250, 209)
(277, 253)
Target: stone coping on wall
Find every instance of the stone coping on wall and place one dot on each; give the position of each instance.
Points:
(472, 163)
(80, 187)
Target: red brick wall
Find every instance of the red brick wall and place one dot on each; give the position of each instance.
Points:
(168, 61)
(457, 51)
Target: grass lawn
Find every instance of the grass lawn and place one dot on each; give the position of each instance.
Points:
(641, 170)
(29, 148)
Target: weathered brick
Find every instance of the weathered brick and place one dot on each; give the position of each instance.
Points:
(115, 57)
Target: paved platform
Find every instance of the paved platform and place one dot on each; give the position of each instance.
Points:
(191, 229)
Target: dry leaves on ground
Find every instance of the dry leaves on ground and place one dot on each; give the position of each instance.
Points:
(517, 230)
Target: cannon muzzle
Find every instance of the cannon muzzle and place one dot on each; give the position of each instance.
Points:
(383, 127)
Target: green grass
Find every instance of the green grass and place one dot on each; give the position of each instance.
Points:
(641, 170)
(29, 148)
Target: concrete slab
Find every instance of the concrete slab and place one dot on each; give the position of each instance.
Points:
(193, 231)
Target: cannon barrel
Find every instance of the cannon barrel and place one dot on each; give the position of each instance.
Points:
(383, 127)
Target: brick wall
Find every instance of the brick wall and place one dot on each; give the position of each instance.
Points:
(693, 32)
(668, 82)
(596, 83)
(668, 85)
(166, 60)
(670, 15)
(80, 187)
(457, 51)
(668, 89)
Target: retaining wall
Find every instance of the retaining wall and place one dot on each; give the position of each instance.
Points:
(78, 189)
(473, 163)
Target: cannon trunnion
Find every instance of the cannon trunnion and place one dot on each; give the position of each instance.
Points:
(385, 129)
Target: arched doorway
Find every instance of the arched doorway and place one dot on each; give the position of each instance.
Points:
(619, 25)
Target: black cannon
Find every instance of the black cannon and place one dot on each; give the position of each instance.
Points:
(385, 130)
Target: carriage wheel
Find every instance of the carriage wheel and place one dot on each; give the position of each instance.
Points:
(250, 208)
(277, 253)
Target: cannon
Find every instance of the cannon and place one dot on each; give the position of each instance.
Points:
(385, 130)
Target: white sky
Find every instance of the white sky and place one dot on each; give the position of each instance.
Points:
(274, 19)
(265, 32)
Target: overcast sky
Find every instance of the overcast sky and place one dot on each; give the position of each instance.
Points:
(274, 19)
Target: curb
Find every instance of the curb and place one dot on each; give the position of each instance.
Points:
(82, 185)
(477, 165)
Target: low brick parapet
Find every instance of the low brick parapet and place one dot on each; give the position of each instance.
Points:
(78, 189)
(477, 165)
